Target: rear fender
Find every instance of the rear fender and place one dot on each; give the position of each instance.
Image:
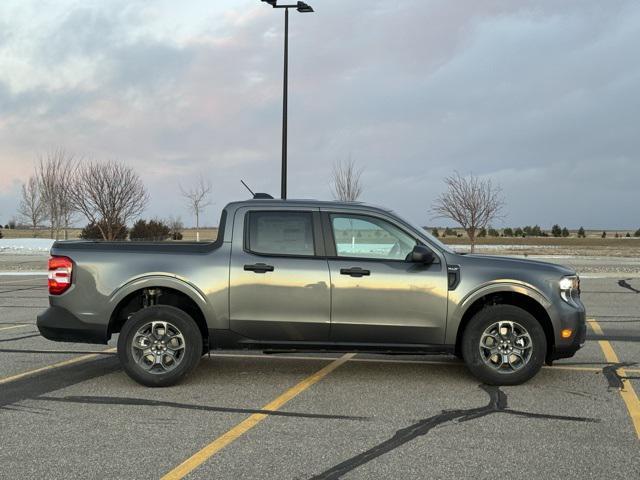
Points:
(166, 281)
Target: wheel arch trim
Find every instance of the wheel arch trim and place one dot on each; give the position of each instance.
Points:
(507, 286)
(159, 281)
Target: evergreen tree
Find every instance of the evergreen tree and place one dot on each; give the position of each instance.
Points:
(153, 230)
(92, 231)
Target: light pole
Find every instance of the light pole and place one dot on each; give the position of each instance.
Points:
(302, 8)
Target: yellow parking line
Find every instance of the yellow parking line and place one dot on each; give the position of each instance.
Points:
(64, 363)
(219, 443)
(627, 392)
(16, 326)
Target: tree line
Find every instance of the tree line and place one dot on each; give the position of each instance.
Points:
(470, 201)
(109, 195)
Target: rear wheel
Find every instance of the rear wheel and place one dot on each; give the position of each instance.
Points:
(504, 345)
(159, 345)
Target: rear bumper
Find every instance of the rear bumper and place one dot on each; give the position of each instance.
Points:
(60, 325)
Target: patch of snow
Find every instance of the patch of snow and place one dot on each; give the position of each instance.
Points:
(32, 273)
(25, 246)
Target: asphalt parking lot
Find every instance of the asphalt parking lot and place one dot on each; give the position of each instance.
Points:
(68, 410)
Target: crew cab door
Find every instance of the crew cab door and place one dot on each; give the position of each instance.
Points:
(377, 296)
(279, 276)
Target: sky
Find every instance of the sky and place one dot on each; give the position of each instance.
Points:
(542, 97)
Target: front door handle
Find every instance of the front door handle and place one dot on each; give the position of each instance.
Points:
(355, 272)
(259, 268)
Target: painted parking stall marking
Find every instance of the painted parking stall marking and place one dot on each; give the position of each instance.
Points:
(71, 361)
(627, 391)
(219, 443)
(15, 326)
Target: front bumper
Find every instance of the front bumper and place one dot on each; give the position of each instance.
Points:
(60, 325)
(575, 318)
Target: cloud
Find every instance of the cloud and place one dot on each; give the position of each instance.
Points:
(540, 96)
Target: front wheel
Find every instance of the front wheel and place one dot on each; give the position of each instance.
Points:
(504, 345)
(159, 345)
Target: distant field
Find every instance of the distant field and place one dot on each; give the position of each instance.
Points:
(592, 245)
(189, 234)
(572, 246)
(622, 242)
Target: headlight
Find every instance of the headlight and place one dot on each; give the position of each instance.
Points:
(569, 286)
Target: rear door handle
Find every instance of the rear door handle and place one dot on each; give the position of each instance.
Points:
(259, 268)
(355, 272)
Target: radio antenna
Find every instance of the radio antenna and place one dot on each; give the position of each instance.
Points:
(247, 187)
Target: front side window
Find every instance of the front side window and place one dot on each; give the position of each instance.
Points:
(369, 237)
(281, 233)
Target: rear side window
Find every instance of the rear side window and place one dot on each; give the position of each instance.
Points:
(280, 233)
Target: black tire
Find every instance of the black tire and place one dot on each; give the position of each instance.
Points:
(482, 321)
(192, 345)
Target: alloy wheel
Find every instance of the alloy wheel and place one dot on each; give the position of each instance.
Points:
(158, 347)
(506, 346)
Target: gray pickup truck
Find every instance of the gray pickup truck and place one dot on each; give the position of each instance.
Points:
(301, 275)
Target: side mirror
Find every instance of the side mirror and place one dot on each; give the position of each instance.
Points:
(421, 254)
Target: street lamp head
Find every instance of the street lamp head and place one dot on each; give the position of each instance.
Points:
(300, 6)
(304, 8)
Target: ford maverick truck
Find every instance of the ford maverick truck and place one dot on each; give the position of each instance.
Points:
(301, 275)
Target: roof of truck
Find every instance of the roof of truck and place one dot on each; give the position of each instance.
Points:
(305, 202)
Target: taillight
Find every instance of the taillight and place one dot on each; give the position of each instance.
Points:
(60, 270)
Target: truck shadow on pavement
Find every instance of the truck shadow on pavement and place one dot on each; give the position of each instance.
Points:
(128, 401)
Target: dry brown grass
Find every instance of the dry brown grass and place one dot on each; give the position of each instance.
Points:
(589, 246)
(632, 242)
(189, 234)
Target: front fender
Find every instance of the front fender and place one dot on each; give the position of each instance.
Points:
(164, 281)
(511, 286)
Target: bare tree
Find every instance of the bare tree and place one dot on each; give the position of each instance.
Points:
(109, 195)
(471, 202)
(31, 207)
(345, 181)
(198, 198)
(53, 173)
(175, 227)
